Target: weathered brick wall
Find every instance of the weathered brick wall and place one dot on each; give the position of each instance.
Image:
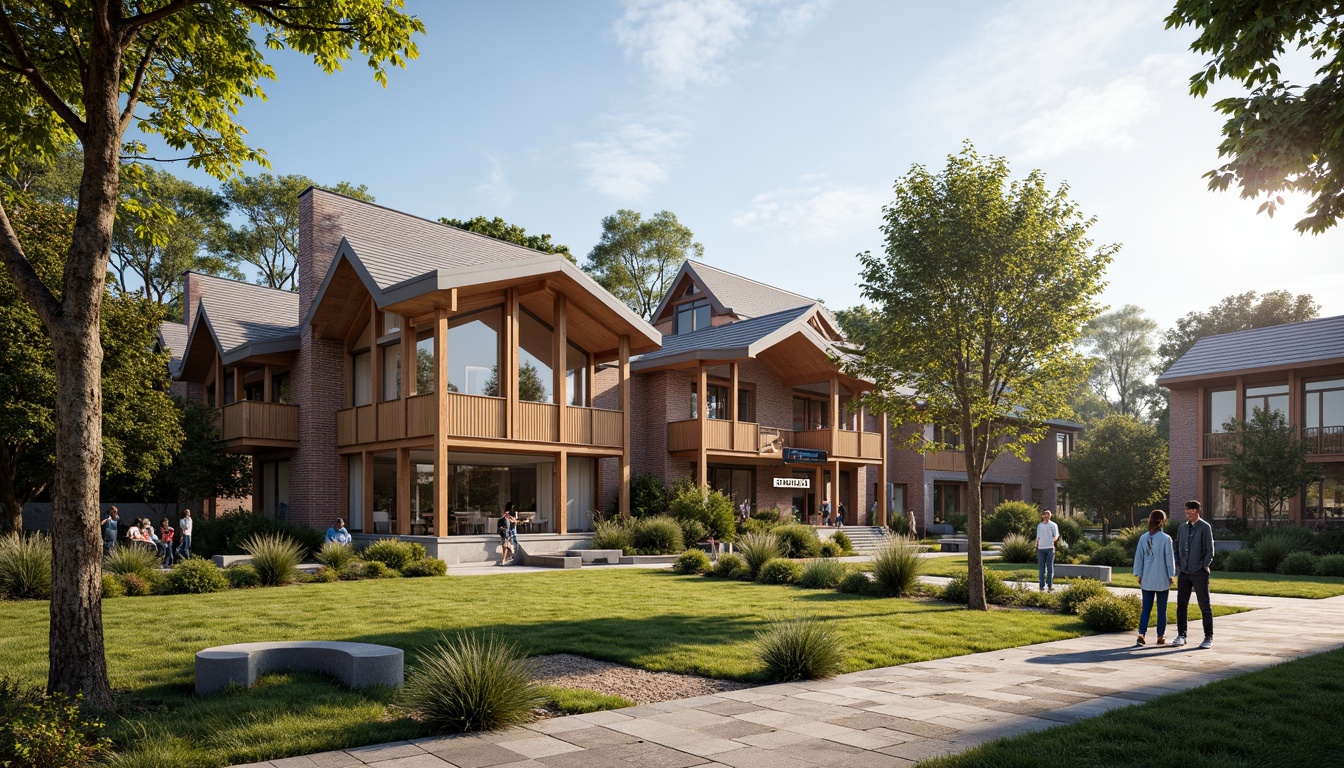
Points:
(191, 296)
(1184, 445)
(1044, 462)
(906, 466)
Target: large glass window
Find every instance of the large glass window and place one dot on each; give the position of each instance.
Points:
(1267, 398)
(746, 405)
(1325, 403)
(392, 371)
(473, 353)
(810, 414)
(1220, 408)
(384, 492)
(946, 501)
(692, 316)
(1063, 445)
(536, 363)
(361, 384)
(576, 376)
(1325, 497)
(1219, 502)
(734, 482)
(274, 484)
(424, 364)
(947, 436)
(422, 492)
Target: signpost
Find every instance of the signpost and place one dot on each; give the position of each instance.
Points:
(804, 456)
(792, 482)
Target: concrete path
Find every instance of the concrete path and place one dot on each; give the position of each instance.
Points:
(883, 717)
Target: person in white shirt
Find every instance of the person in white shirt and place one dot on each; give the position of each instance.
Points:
(1047, 534)
(184, 533)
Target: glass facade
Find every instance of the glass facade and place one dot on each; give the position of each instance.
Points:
(1325, 497)
(1220, 408)
(692, 316)
(1273, 397)
(473, 353)
(536, 361)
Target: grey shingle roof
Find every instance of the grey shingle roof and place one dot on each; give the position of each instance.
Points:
(1286, 345)
(743, 296)
(723, 338)
(173, 337)
(242, 314)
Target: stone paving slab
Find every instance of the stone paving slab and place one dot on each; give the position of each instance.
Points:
(894, 716)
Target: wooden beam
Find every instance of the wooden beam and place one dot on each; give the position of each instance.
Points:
(375, 359)
(835, 487)
(403, 492)
(732, 404)
(562, 492)
(882, 476)
(441, 479)
(452, 300)
(237, 384)
(624, 371)
(407, 357)
(366, 467)
(835, 418)
(819, 490)
(219, 382)
(267, 379)
(559, 351)
(702, 414)
(508, 373)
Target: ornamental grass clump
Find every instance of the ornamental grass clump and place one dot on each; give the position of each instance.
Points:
(756, 550)
(958, 590)
(840, 538)
(195, 577)
(471, 683)
(897, 566)
(1272, 548)
(242, 576)
(1080, 592)
(131, 559)
(692, 562)
(1111, 613)
(275, 557)
(393, 553)
(801, 648)
(657, 536)
(797, 540)
(831, 549)
(612, 534)
(855, 583)
(335, 556)
(1017, 549)
(822, 574)
(25, 567)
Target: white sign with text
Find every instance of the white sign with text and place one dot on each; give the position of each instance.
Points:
(793, 482)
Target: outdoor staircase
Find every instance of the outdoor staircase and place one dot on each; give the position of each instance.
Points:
(865, 538)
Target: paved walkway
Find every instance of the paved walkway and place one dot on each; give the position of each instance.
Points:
(883, 717)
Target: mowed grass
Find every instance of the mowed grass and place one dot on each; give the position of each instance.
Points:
(1286, 716)
(1261, 584)
(648, 619)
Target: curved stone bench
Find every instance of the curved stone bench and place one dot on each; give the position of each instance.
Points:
(357, 665)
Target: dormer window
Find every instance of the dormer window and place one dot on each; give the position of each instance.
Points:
(692, 316)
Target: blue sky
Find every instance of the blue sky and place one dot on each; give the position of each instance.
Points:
(776, 128)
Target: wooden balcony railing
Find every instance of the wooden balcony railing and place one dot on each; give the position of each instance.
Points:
(945, 461)
(250, 422)
(1216, 444)
(750, 438)
(476, 416)
(1325, 440)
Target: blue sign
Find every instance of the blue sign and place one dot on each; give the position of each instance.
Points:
(804, 456)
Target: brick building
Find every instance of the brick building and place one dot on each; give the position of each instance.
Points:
(1296, 369)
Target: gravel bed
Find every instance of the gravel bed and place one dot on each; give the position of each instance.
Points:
(638, 685)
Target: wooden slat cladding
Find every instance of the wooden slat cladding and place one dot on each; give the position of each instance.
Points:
(819, 439)
(946, 461)
(579, 425)
(391, 420)
(683, 435)
(746, 436)
(608, 427)
(345, 427)
(365, 420)
(475, 415)
(255, 420)
(420, 415)
(870, 445)
(537, 422)
(718, 435)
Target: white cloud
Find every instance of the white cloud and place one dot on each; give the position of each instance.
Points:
(496, 189)
(628, 161)
(818, 212)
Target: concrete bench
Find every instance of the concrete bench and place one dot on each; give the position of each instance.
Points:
(224, 561)
(648, 559)
(1101, 573)
(589, 556)
(357, 665)
(552, 560)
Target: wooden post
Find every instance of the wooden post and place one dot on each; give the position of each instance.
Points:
(403, 492)
(623, 364)
(835, 418)
(835, 488)
(366, 467)
(818, 489)
(375, 362)
(562, 491)
(267, 380)
(882, 478)
(559, 352)
(238, 384)
(407, 358)
(441, 423)
(733, 415)
(219, 382)
(508, 374)
(702, 415)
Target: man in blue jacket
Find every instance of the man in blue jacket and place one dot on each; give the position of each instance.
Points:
(1194, 553)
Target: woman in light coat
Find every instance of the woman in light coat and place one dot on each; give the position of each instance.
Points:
(1155, 565)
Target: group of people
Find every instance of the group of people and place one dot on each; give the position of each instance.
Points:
(1159, 563)
(171, 544)
(833, 518)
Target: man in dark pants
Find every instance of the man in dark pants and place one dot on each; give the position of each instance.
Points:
(1194, 553)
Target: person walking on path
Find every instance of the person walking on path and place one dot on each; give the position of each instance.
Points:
(1047, 534)
(184, 535)
(109, 524)
(1155, 565)
(1194, 554)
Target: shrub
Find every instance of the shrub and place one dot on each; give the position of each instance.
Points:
(242, 576)
(649, 496)
(1017, 549)
(780, 571)
(1085, 547)
(757, 549)
(40, 730)
(1273, 547)
(898, 523)
(469, 683)
(1300, 538)
(323, 575)
(425, 566)
(1070, 530)
(692, 532)
(1111, 613)
(1128, 538)
(612, 534)
(831, 549)
(111, 587)
(957, 520)
(134, 585)
(959, 590)
(730, 566)
(393, 553)
(1330, 542)
(1298, 564)
(225, 534)
(692, 562)
(352, 571)
(1080, 592)
(896, 566)
(275, 556)
(712, 510)
(195, 577)
(796, 540)
(1241, 561)
(840, 538)
(753, 525)
(800, 649)
(375, 569)
(855, 583)
(657, 536)
(1330, 565)
(822, 574)
(335, 556)
(1011, 517)
(131, 559)
(1027, 597)
(1111, 555)
(25, 567)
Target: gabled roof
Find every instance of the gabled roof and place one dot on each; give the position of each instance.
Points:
(173, 338)
(1311, 342)
(734, 294)
(244, 319)
(741, 339)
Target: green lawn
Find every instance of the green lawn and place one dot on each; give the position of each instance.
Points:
(1262, 584)
(649, 619)
(1287, 716)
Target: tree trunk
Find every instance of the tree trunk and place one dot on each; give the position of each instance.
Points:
(11, 518)
(975, 561)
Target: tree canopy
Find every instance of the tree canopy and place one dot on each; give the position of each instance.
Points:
(977, 305)
(636, 258)
(512, 233)
(1120, 463)
(1279, 136)
(1267, 461)
(1121, 345)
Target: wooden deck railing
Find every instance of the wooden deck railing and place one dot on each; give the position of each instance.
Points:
(476, 416)
(748, 438)
(945, 461)
(254, 420)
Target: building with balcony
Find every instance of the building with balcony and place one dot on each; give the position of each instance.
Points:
(421, 377)
(1296, 369)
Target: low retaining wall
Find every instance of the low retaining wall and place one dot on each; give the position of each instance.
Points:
(454, 550)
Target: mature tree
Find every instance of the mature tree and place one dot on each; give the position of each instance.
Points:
(201, 469)
(1088, 407)
(1119, 464)
(502, 230)
(1241, 312)
(1121, 344)
(637, 258)
(1267, 461)
(140, 429)
(979, 301)
(1279, 136)
(268, 239)
(151, 250)
(87, 72)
